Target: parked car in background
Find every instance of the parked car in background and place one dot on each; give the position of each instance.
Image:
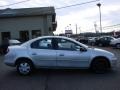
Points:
(83, 40)
(115, 43)
(104, 40)
(57, 52)
(92, 40)
(3, 47)
(118, 36)
(14, 42)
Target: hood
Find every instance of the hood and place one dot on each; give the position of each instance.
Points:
(101, 52)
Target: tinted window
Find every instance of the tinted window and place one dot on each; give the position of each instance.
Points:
(42, 44)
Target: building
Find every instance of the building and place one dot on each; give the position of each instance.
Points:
(27, 23)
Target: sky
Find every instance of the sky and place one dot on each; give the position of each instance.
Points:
(84, 17)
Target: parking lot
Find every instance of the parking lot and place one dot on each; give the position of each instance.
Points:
(60, 79)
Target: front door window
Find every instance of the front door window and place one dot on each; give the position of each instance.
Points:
(64, 44)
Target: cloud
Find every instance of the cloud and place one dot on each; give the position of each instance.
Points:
(85, 18)
(2, 3)
(77, 17)
(110, 8)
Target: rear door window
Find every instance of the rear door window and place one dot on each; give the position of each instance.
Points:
(42, 44)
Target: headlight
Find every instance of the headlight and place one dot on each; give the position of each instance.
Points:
(113, 57)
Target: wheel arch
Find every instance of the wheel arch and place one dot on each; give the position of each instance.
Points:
(23, 59)
(100, 57)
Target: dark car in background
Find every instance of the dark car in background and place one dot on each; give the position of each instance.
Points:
(83, 40)
(3, 47)
(104, 40)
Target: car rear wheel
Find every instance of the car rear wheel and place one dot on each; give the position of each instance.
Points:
(24, 67)
(100, 65)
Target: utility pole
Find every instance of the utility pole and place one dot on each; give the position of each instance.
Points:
(80, 30)
(95, 25)
(76, 29)
(99, 5)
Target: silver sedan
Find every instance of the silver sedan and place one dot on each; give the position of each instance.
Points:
(57, 52)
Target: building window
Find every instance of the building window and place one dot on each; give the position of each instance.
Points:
(36, 33)
(24, 36)
(5, 35)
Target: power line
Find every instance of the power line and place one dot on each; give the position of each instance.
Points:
(55, 8)
(112, 25)
(15, 3)
(77, 4)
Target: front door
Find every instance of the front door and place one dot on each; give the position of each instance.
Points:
(43, 53)
(69, 55)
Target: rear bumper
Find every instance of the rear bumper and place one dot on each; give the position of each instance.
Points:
(9, 60)
(10, 64)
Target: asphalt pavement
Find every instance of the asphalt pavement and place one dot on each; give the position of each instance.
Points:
(60, 79)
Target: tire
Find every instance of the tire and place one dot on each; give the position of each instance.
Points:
(24, 67)
(100, 65)
(118, 45)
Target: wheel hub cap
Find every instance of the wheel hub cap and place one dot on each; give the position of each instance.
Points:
(24, 68)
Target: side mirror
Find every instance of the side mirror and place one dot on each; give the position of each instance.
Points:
(82, 49)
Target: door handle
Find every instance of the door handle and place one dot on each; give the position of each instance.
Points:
(34, 53)
(61, 55)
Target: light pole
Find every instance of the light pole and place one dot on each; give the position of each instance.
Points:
(95, 25)
(76, 29)
(99, 5)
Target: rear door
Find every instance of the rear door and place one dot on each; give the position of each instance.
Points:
(43, 53)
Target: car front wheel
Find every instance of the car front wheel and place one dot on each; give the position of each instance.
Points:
(24, 67)
(100, 66)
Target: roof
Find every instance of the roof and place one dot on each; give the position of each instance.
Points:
(26, 12)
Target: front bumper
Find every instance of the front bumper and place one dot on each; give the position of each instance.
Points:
(114, 62)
